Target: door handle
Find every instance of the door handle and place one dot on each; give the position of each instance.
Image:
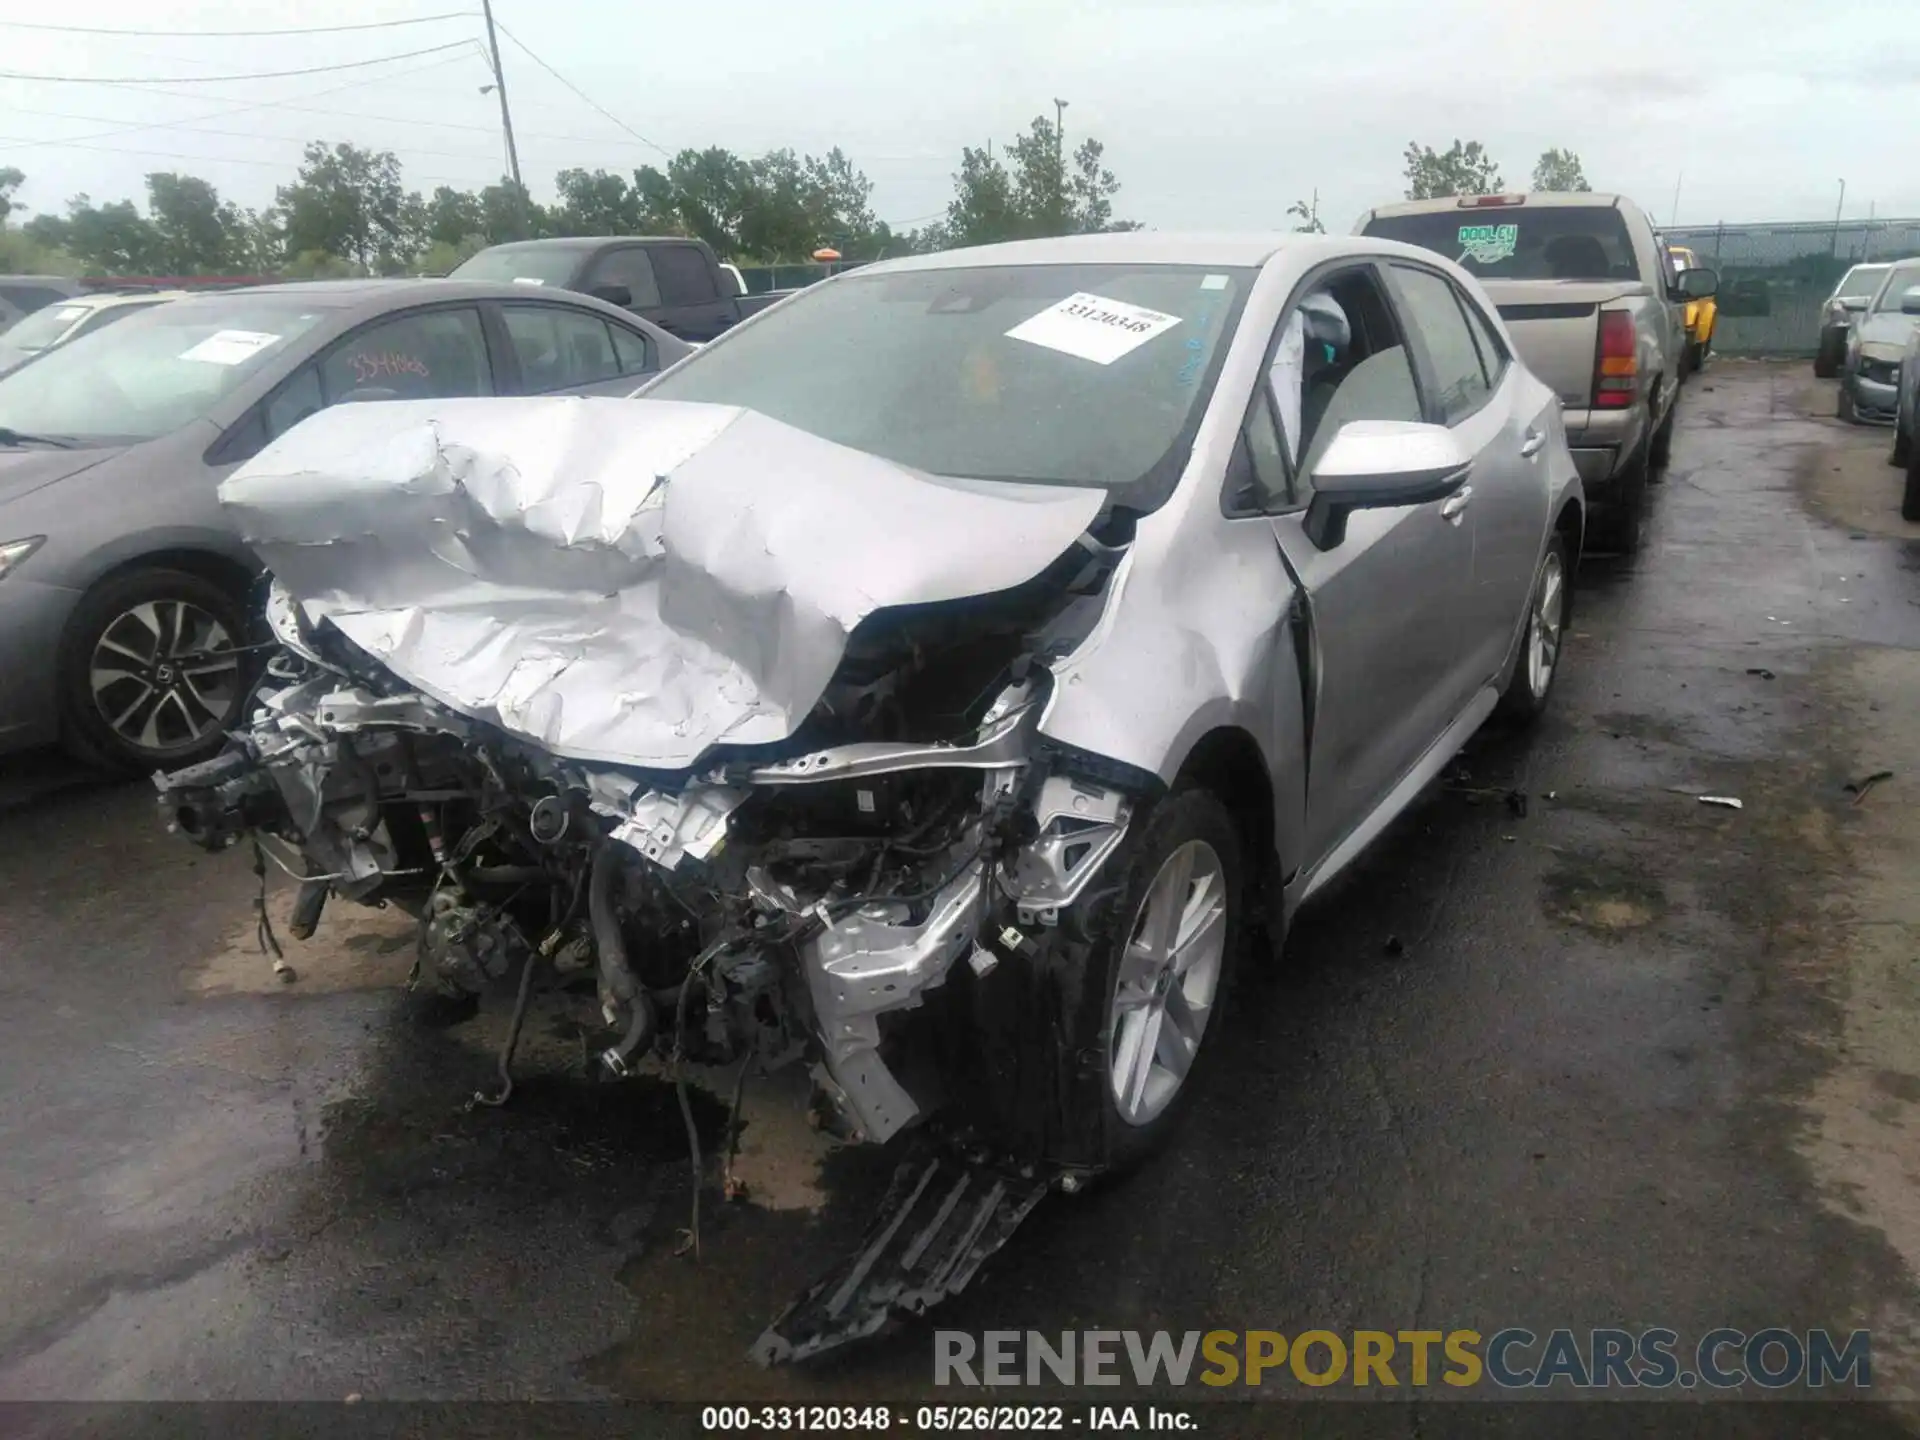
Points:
(1455, 505)
(1532, 445)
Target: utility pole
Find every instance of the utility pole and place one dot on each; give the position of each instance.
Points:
(506, 116)
(1834, 248)
(1675, 220)
(1060, 158)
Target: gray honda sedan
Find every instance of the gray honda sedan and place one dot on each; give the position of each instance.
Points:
(123, 591)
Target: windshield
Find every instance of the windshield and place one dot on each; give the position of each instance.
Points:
(44, 327)
(528, 264)
(1893, 284)
(1521, 242)
(1860, 282)
(1049, 374)
(150, 373)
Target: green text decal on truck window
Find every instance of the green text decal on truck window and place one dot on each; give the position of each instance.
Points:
(1489, 244)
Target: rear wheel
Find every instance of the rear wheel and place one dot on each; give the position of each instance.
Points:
(1826, 359)
(1660, 452)
(1902, 448)
(1617, 524)
(1910, 501)
(152, 674)
(1548, 609)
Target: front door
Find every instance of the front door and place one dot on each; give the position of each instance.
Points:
(1387, 650)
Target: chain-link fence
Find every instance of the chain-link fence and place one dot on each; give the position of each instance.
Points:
(1775, 278)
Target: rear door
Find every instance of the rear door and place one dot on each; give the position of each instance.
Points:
(1503, 418)
(551, 349)
(691, 303)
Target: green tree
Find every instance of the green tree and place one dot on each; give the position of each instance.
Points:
(508, 212)
(1463, 169)
(453, 217)
(1032, 194)
(196, 233)
(595, 203)
(10, 181)
(347, 202)
(1559, 170)
(113, 239)
(20, 254)
(1307, 215)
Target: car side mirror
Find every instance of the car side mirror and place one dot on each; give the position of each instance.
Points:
(1853, 302)
(1380, 465)
(1910, 300)
(1696, 283)
(613, 294)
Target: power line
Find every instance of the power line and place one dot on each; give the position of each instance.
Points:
(238, 34)
(221, 113)
(651, 144)
(280, 165)
(221, 79)
(191, 129)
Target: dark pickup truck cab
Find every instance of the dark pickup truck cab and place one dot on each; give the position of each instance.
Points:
(674, 282)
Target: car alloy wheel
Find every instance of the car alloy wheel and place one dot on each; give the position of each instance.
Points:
(1169, 979)
(1543, 624)
(164, 675)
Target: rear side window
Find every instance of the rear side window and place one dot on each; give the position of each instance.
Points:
(631, 351)
(422, 356)
(31, 297)
(629, 267)
(558, 349)
(683, 276)
(1433, 311)
(1521, 242)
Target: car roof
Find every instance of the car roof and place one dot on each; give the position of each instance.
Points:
(357, 299)
(1559, 199)
(589, 242)
(1136, 247)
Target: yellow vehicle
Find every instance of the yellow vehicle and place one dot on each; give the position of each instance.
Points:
(1700, 315)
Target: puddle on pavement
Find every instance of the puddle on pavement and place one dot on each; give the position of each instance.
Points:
(1601, 896)
(355, 948)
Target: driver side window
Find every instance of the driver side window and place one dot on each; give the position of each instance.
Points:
(1337, 356)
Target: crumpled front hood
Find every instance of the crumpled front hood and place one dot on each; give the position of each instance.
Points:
(628, 581)
(1889, 328)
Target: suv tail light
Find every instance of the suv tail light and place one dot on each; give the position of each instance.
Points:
(1616, 366)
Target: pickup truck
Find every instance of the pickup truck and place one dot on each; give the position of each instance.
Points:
(675, 282)
(1597, 313)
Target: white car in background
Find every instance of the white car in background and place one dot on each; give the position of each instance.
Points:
(67, 320)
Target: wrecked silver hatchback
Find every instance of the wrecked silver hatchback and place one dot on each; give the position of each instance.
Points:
(573, 683)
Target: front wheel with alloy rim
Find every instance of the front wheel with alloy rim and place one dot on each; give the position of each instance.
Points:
(1549, 606)
(153, 672)
(1168, 962)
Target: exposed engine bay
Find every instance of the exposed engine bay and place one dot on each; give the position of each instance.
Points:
(775, 905)
(897, 892)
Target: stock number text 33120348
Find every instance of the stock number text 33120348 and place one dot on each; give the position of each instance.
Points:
(988, 1419)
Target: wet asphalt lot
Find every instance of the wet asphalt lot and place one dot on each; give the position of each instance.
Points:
(1559, 1069)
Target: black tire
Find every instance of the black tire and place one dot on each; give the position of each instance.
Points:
(1183, 818)
(199, 701)
(1902, 448)
(1832, 350)
(1696, 357)
(1910, 500)
(1521, 703)
(1618, 524)
(1843, 407)
(1660, 450)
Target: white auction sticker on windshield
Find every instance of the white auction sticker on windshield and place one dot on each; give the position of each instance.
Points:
(1093, 327)
(528, 280)
(229, 347)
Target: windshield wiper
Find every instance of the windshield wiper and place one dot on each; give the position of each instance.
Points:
(20, 437)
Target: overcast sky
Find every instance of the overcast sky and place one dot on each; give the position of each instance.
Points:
(1215, 113)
